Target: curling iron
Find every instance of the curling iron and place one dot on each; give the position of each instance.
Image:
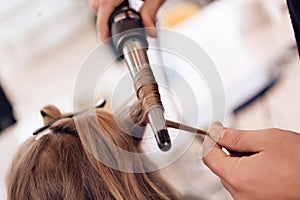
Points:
(130, 43)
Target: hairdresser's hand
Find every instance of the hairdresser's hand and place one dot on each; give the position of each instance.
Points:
(273, 172)
(104, 8)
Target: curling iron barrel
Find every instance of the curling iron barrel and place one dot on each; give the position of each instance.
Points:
(130, 42)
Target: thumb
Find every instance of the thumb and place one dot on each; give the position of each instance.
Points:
(242, 140)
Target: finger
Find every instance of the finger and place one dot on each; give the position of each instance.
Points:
(148, 12)
(102, 21)
(219, 162)
(242, 140)
(212, 137)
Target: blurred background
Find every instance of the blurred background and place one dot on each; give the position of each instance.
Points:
(251, 42)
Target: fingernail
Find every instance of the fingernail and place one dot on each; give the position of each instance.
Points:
(216, 131)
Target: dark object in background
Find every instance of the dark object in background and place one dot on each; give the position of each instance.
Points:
(294, 8)
(6, 112)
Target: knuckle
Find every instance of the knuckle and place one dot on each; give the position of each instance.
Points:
(236, 137)
(272, 132)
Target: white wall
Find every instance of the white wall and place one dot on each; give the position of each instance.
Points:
(30, 28)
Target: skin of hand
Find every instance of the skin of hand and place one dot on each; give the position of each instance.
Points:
(104, 8)
(271, 172)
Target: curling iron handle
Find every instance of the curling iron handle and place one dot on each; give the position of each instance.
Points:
(125, 24)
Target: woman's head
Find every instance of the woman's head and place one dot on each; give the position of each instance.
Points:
(59, 165)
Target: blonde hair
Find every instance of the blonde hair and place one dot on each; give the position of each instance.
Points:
(58, 165)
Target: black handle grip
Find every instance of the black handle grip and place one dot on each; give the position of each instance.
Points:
(125, 23)
(124, 5)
